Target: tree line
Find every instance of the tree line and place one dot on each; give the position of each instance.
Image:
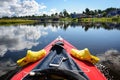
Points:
(97, 12)
(65, 13)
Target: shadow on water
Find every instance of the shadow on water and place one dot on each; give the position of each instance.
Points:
(13, 42)
(7, 69)
(110, 64)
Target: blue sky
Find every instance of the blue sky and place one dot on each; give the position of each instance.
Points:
(38, 7)
(79, 5)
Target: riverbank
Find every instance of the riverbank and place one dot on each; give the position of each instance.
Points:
(66, 19)
(69, 19)
(103, 19)
(16, 21)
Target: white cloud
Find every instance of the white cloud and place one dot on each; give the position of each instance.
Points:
(23, 8)
(20, 7)
(42, 6)
(51, 11)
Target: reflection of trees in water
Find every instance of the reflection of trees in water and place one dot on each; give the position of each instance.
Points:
(112, 26)
(62, 25)
(107, 26)
(86, 26)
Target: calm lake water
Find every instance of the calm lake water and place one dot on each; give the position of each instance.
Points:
(15, 40)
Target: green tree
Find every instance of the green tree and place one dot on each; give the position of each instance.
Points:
(87, 11)
(44, 15)
(95, 12)
(65, 13)
(61, 14)
(99, 11)
(56, 14)
(110, 9)
(52, 15)
(91, 13)
(83, 12)
(104, 14)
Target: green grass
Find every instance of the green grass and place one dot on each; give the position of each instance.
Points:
(103, 19)
(96, 19)
(69, 19)
(26, 21)
(15, 21)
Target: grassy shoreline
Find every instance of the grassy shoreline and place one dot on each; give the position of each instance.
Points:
(103, 19)
(16, 21)
(67, 19)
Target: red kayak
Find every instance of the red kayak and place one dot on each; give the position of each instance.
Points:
(58, 64)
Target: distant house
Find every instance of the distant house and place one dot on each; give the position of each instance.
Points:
(74, 15)
(114, 13)
(98, 15)
(118, 12)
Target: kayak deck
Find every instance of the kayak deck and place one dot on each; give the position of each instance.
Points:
(58, 61)
(88, 68)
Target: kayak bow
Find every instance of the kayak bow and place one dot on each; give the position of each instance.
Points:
(59, 62)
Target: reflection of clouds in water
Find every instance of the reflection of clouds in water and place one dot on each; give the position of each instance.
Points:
(6, 66)
(3, 50)
(20, 37)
